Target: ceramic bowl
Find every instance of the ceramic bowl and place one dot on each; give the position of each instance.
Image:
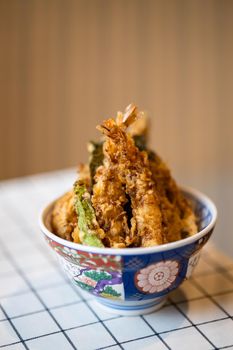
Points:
(133, 281)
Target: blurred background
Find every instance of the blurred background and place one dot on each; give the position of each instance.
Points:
(66, 65)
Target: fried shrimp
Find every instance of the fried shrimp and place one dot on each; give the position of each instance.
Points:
(177, 216)
(189, 225)
(135, 175)
(125, 196)
(108, 200)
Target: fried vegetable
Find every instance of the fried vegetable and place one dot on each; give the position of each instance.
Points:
(140, 142)
(89, 231)
(125, 196)
(96, 157)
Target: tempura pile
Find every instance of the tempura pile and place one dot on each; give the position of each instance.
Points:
(125, 196)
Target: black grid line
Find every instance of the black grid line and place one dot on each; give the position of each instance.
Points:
(7, 254)
(218, 267)
(193, 324)
(58, 307)
(25, 228)
(32, 288)
(26, 314)
(146, 337)
(13, 326)
(32, 338)
(69, 283)
(41, 310)
(207, 295)
(224, 270)
(196, 323)
(12, 295)
(51, 258)
(123, 342)
(203, 296)
(56, 332)
(224, 273)
(155, 333)
(5, 345)
(99, 319)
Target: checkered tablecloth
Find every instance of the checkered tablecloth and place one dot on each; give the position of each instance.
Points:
(40, 309)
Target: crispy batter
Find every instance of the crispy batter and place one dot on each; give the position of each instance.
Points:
(84, 174)
(108, 200)
(189, 225)
(75, 235)
(64, 218)
(135, 175)
(129, 190)
(177, 216)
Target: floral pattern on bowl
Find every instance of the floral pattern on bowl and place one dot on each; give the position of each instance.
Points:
(157, 277)
(134, 281)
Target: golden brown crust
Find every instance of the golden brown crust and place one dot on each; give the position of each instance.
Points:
(135, 175)
(135, 199)
(108, 201)
(64, 218)
(177, 215)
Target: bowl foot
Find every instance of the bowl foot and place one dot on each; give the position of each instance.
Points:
(131, 308)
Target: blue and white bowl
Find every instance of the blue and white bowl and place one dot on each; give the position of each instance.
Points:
(134, 281)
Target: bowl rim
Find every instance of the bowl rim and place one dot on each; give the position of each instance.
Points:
(139, 250)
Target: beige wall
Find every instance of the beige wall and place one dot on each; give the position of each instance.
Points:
(66, 65)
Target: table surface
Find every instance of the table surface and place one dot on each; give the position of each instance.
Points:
(40, 309)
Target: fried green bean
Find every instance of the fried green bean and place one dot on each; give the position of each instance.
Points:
(96, 157)
(89, 231)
